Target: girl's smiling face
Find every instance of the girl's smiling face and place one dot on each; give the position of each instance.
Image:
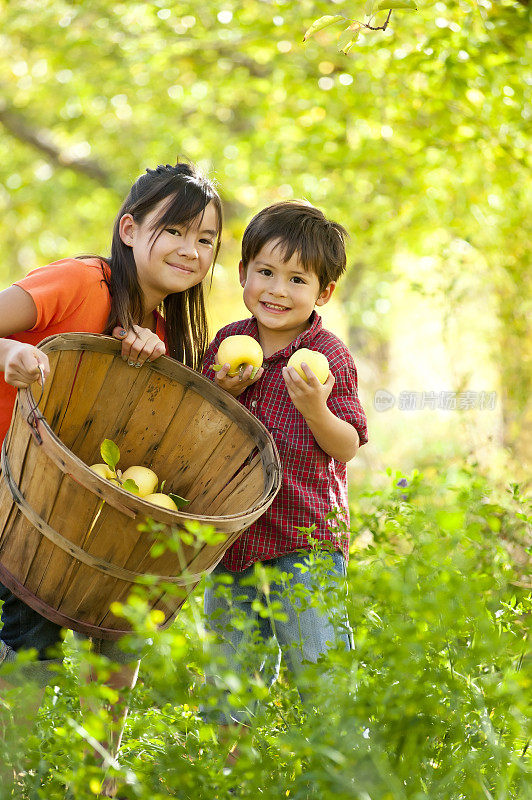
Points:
(281, 295)
(173, 259)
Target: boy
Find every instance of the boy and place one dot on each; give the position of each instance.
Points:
(292, 257)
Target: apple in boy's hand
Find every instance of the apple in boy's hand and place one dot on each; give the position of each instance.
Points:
(315, 361)
(144, 477)
(238, 351)
(160, 499)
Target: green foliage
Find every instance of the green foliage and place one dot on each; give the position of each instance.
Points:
(432, 703)
(417, 139)
(350, 35)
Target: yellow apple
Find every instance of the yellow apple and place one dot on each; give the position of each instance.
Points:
(317, 362)
(103, 471)
(239, 351)
(144, 477)
(162, 500)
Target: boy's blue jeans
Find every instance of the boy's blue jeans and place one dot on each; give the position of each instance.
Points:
(308, 632)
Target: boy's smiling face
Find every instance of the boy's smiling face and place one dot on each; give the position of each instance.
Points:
(281, 295)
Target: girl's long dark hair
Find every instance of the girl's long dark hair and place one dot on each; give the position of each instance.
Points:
(188, 194)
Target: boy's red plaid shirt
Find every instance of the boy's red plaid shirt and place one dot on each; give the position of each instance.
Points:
(314, 484)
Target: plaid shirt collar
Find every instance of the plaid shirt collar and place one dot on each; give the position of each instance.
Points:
(304, 338)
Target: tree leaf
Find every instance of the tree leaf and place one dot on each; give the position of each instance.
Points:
(389, 5)
(370, 5)
(130, 486)
(110, 453)
(348, 39)
(179, 501)
(321, 23)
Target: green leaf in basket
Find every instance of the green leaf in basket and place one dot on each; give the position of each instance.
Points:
(110, 453)
(179, 501)
(130, 486)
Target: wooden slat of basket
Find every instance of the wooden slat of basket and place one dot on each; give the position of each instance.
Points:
(242, 486)
(10, 523)
(19, 434)
(89, 587)
(170, 602)
(246, 494)
(169, 563)
(232, 450)
(196, 447)
(20, 560)
(113, 536)
(89, 591)
(19, 443)
(204, 563)
(213, 554)
(57, 576)
(193, 434)
(239, 481)
(172, 449)
(94, 588)
(56, 402)
(6, 505)
(168, 608)
(92, 371)
(42, 484)
(38, 390)
(119, 394)
(87, 580)
(149, 419)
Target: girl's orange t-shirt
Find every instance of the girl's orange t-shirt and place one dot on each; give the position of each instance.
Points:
(70, 295)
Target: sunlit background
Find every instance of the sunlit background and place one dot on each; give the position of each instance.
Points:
(416, 141)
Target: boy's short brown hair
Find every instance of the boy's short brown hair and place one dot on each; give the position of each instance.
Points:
(303, 229)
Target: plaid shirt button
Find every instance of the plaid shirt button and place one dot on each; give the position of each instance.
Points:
(314, 485)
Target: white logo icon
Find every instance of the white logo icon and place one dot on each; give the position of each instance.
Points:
(383, 400)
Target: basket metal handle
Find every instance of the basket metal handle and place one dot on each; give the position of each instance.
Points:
(35, 413)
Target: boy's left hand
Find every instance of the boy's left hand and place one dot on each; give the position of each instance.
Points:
(309, 398)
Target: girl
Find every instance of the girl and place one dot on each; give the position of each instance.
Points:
(149, 294)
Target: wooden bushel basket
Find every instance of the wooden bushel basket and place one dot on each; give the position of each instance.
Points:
(209, 449)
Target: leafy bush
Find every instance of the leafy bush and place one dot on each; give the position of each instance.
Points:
(433, 702)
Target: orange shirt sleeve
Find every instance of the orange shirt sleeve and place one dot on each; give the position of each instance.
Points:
(69, 291)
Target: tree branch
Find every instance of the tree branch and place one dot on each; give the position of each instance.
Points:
(41, 140)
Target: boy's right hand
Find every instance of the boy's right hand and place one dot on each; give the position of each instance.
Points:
(23, 364)
(235, 384)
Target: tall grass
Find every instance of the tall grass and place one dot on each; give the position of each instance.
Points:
(433, 703)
